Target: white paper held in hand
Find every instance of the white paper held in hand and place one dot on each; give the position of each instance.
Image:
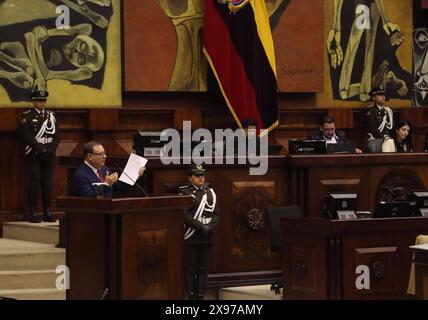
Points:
(130, 173)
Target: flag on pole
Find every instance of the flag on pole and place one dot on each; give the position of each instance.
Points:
(239, 47)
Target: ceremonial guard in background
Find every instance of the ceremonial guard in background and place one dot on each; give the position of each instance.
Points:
(200, 222)
(40, 132)
(380, 120)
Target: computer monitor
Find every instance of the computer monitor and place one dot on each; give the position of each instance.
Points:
(393, 209)
(419, 202)
(148, 143)
(296, 146)
(340, 206)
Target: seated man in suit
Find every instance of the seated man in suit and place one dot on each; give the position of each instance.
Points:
(329, 133)
(93, 170)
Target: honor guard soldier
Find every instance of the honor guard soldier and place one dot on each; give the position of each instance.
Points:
(40, 132)
(200, 222)
(380, 120)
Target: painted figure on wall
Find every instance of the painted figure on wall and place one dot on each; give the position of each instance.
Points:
(358, 63)
(81, 7)
(187, 16)
(190, 70)
(75, 60)
(420, 60)
(33, 52)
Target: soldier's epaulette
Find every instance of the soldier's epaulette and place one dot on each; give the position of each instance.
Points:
(183, 187)
(28, 111)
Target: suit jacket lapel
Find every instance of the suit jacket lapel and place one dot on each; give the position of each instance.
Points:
(91, 174)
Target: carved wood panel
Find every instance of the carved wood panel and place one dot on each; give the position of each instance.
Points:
(388, 258)
(250, 229)
(330, 180)
(152, 264)
(305, 266)
(149, 250)
(396, 185)
(381, 262)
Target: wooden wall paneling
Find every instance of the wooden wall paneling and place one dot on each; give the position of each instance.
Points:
(77, 120)
(212, 119)
(303, 119)
(343, 117)
(147, 119)
(103, 119)
(187, 114)
(414, 115)
(10, 119)
(296, 100)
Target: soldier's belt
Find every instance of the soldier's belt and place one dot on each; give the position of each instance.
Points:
(44, 140)
(205, 220)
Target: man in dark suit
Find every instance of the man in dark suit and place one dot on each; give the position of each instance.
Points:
(94, 171)
(380, 120)
(40, 131)
(329, 133)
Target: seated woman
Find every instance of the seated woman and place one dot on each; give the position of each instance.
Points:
(400, 140)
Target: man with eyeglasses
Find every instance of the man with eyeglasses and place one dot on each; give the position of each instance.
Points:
(329, 133)
(40, 132)
(94, 170)
(200, 222)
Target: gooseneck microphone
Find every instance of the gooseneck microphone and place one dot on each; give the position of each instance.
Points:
(135, 183)
(105, 293)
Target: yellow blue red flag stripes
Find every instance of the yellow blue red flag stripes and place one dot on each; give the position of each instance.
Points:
(239, 47)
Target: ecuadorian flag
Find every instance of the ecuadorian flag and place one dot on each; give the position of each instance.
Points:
(239, 47)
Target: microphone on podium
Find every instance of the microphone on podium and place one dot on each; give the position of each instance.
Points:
(135, 183)
(105, 293)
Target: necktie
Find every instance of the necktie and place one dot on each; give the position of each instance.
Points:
(100, 176)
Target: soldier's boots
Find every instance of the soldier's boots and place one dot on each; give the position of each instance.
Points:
(191, 284)
(33, 217)
(201, 278)
(192, 296)
(47, 216)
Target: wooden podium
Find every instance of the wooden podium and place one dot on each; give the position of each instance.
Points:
(321, 256)
(127, 248)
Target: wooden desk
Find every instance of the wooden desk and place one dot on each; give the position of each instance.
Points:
(373, 176)
(321, 257)
(421, 273)
(242, 247)
(131, 246)
(242, 251)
